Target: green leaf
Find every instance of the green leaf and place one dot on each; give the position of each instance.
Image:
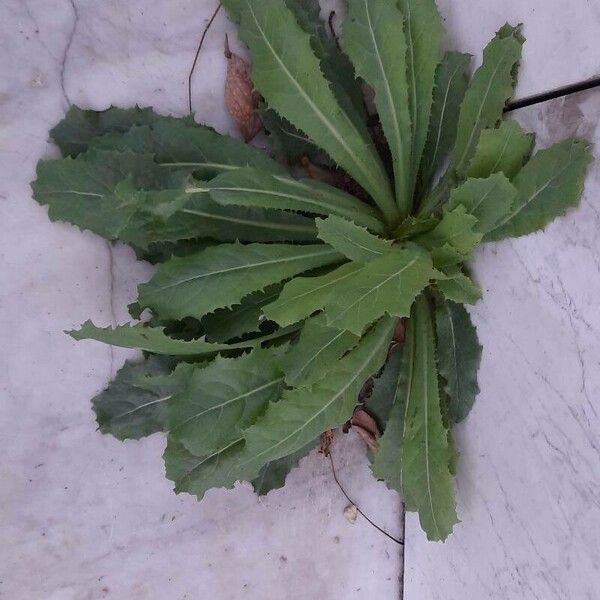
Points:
(318, 347)
(79, 128)
(423, 30)
(290, 144)
(398, 389)
(229, 323)
(414, 454)
(154, 339)
(158, 252)
(451, 81)
(374, 40)
(413, 226)
(384, 394)
(456, 229)
(502, 150)
(173, 140)
(272, 476)
(201, 216)
(388, 284)
(287, 73)
(222, 399)
(198, 474)
(221, 276)
(254, 188)
(97, 190)
(488, 200)
(459, 355)
(134, 403)
(335, 65)
(304, 413)
(550, 183)
(491, 87)
(302, 296)
(354, 242)
(206, 152)
(118, 195)
(458, 287)
(446, 256)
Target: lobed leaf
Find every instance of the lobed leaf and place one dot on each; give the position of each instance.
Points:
(384, 394)
(134, 404)
(76, 131)
(451, 81)
(154, 339)
(198, 474)
(386, 285)
(353, 241)
(458, 287)
(423, 30)
(337, 69)
(502, 150)
(223, 275)
(459, 355)
(488, 200)
(550, 183)
(287, 73)
(457, 229)
(317, 348)
(255, 188)
(272, 476)
(491, 87)
(335, 65)
(374, 41)
(176, 142)
(201, 216)
(100, 191)
(304, 413)
(126, 196)
(246, 317)
(482, 108)
(222, 399)
(302, 296)
(414, 455)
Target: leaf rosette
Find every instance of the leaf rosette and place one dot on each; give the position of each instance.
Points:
(276, 296)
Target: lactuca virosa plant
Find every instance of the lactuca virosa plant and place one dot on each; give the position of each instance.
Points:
(276, 296)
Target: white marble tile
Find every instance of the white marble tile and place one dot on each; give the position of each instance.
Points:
(562, 37)
(82, 516)
(528, 486)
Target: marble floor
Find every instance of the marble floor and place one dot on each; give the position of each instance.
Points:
(84, 517)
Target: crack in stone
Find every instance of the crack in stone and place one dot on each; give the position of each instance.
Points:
(66, 53)
(113, 315)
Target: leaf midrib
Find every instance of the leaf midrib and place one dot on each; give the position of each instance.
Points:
(237, 398)
(340, 139)
(373, 289)
(241, 267)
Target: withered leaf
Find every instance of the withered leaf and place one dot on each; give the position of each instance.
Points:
(240, 98)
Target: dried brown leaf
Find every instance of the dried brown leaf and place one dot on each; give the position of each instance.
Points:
(240, 98)
(399, 332)
(326, 440)
(366, 427)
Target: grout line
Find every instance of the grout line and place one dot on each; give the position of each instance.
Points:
(403, 549)
(573, 88)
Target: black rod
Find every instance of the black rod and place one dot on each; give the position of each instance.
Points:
(572, 88)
